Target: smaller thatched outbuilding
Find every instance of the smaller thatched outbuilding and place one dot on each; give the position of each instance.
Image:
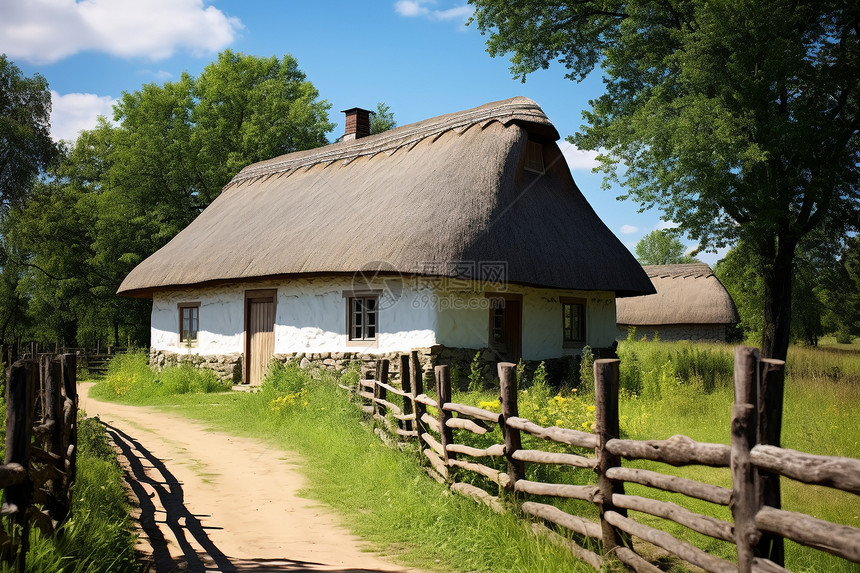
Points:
(691, 304)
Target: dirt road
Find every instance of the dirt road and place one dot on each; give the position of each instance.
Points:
(213, 502)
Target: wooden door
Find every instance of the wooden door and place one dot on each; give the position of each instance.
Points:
(259, 334)
(506, 327)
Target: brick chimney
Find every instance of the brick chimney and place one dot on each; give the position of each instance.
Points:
(357, 123)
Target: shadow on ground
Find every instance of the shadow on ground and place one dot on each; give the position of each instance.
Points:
(146, 473)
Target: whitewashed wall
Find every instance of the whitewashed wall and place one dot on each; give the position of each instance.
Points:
(310, 317)
(464, 320)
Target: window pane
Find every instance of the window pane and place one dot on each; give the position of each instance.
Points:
(371, 332)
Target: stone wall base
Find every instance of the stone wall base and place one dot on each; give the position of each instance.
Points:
(678, 332)
(228, 367)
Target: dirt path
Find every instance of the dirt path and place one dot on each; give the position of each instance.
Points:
(213, 502)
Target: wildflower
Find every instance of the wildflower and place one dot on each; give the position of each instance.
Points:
(559, 422)
(591, 408)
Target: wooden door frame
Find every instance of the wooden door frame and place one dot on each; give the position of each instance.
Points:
(249, 296)
(506, 296)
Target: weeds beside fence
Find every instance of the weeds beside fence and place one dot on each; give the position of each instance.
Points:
(41, 450)
(754, 457)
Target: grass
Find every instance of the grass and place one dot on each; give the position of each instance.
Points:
(685, 388)
(98, 536)
(382, 494)
(669, 388)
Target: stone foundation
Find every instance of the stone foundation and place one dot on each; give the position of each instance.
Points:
(678, 332)
(564, 370)
(227, 367)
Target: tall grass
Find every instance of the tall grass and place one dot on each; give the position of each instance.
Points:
(98, 536)
(130, 378)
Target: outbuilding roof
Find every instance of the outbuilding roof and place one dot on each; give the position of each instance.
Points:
(686, 294)
(422, 196)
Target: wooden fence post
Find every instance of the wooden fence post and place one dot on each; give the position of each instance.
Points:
(70, 419)
(770, 398)
(420, 409)
(510, 409)
(607, 427)
(53, 384)
(379, 392)
(406, 386)
(443, 396)
(20, 385)
(745, 499)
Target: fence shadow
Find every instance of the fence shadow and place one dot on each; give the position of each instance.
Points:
(186, 526)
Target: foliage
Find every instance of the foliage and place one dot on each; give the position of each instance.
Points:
(26, 148)
(124, 189)
(130, 378)
(586, 368)
(826, 297)
(476, 374)
(382, 119)
(738, 120)
(661, 247)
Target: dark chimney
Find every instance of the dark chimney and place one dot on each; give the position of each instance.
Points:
(357, 124)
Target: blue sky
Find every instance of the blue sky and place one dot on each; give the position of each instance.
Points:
(417, 56)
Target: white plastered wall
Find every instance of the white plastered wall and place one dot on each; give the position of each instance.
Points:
(310, 317)
(464, 319)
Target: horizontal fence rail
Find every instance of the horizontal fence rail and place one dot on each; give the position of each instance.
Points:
(754, 458)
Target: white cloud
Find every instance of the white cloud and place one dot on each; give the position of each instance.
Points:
(410, 8)
(628, 229)
(74, 112)
(663, 225)
(419, 8)
(579, 159)
(44, 31)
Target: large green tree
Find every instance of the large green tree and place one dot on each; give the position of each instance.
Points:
(661, 247)
(26, 147)
(739, 119)
(126, 188)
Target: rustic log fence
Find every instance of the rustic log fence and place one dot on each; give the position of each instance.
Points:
(41, 450)
(754, 457)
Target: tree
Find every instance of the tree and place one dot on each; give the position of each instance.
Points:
(26, 147)
(383, 119)
(122, 191)
(738, 119)
(660, 247)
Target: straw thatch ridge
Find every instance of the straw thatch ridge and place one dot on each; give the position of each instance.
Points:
(411, 200)
(686, 294)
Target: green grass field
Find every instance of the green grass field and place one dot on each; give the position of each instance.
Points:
(669, 388)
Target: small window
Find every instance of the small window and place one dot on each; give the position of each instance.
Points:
(534, 157)
(189, 322)
(363, 313)
(573, 322)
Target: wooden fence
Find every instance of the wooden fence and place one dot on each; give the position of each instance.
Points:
(41, 444)
(754, 457)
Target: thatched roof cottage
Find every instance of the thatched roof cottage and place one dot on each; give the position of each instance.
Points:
(464, 231)
(691, 304)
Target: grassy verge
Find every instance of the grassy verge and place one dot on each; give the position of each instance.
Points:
(381, 493)
(98, 536)
(683, 388)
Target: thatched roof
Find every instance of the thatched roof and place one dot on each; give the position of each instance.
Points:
(686, 294)
(450, 188)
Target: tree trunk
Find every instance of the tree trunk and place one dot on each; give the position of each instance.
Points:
(777, 300)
